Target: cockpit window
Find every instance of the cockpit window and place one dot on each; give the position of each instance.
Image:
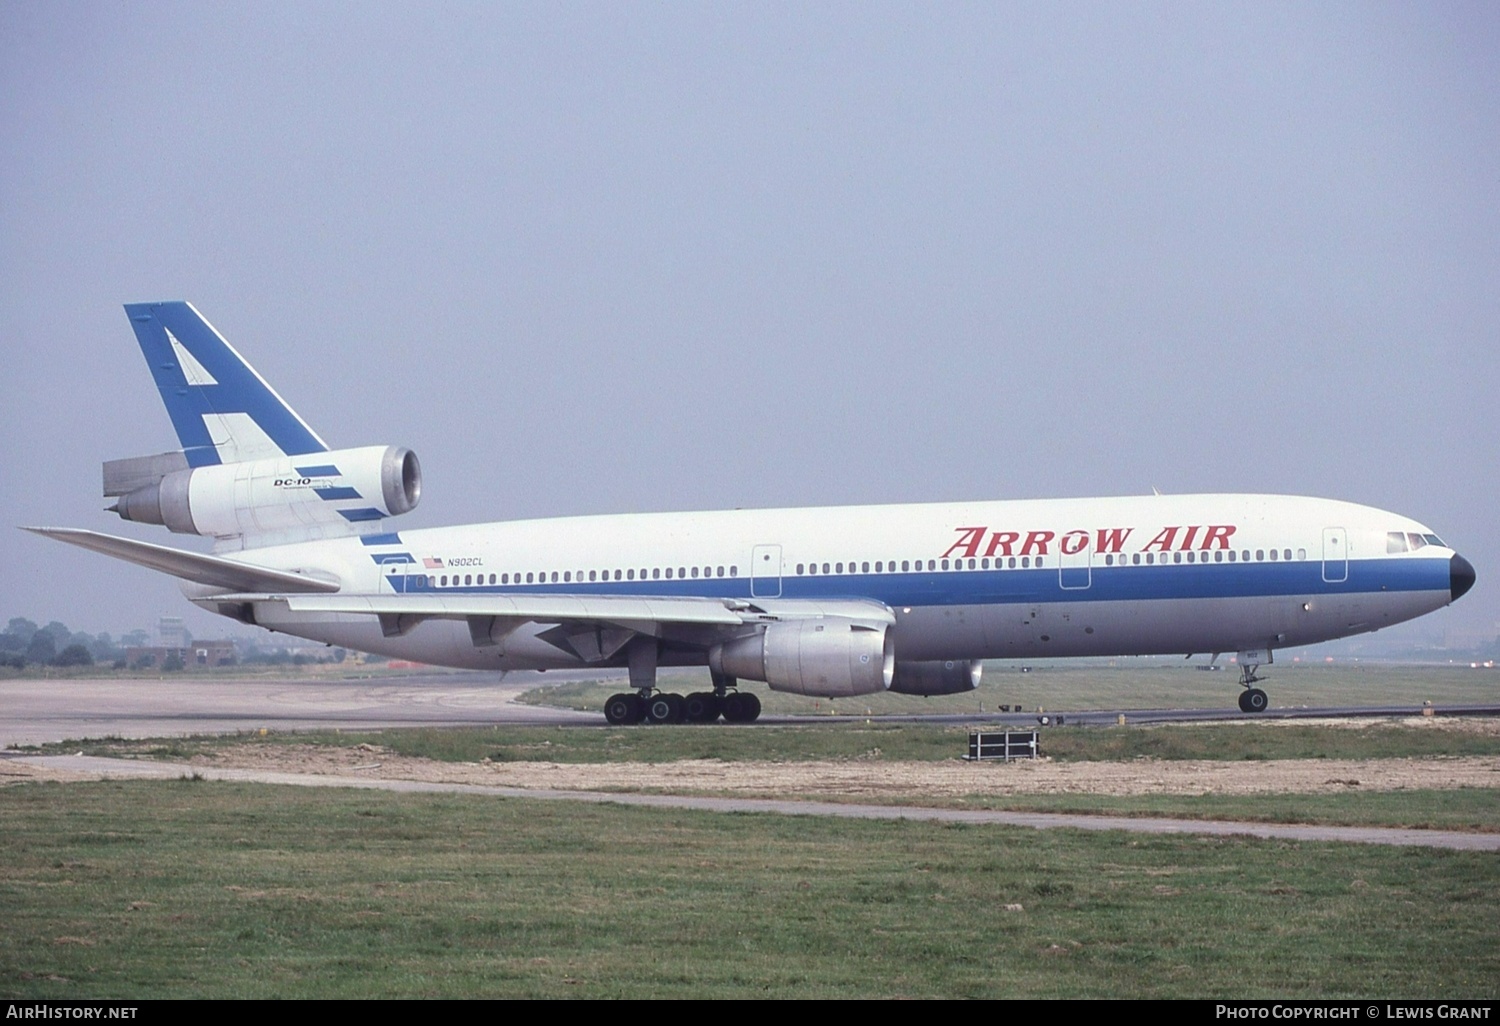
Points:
(1433, 539)
(1417, 541)
(1395, 541)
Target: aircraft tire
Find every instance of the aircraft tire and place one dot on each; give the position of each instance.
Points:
(1254, 700)
(623, 709)
(733, 707)
(663, 708)
(740, 707)
(701, 707)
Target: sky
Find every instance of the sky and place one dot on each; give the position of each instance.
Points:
(603, 257)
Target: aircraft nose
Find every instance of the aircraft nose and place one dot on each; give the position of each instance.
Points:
(1460, 576)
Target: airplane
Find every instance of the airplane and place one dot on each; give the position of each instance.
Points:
(831, 602)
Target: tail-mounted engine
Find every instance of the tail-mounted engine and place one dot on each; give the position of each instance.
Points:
(829, 657)
(317, 495)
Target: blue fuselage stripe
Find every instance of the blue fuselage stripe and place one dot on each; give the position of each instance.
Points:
(992, 587)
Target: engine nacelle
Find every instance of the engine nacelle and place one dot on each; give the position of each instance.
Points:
(940, 677)
(286, 495)
(828, 657)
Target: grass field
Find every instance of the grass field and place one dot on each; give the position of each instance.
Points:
(1132, 684)
(198, 889)
(1252, 742)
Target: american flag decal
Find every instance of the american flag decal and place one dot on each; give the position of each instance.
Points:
(432, 564)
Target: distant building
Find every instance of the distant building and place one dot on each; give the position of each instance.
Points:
(171, 632)
(197, 653)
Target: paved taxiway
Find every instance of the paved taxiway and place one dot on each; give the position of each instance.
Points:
(39, 711)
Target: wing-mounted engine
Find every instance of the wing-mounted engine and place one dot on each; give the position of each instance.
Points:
(283, 498)
(829, 657)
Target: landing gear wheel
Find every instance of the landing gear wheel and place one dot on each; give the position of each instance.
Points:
(662, 708)
(701, 707)
(624, 709)
(741, 707)
(1254, 700)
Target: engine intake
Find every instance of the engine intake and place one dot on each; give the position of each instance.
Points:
(828, 657)
(318, 494)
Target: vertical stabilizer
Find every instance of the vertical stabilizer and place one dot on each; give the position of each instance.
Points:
(223, 411)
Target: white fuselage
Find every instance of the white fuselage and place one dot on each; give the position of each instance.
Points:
(980, 580)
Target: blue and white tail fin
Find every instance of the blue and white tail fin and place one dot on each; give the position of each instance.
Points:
(223, 411)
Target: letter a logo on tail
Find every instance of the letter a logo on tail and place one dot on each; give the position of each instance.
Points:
(223, 411)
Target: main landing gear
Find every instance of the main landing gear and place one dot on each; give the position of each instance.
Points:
(648, 705)
(1252, 699)
(699, 707)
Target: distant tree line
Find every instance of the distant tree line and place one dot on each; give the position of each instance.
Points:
(23, 644)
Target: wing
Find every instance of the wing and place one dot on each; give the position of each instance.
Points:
(592, 627)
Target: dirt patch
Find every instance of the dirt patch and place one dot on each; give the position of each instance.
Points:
(869, 779)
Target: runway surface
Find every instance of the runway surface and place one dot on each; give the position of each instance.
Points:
(40, 711)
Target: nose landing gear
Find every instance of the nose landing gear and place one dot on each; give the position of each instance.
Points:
(1252, 699)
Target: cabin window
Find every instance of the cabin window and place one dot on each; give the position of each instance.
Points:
(945, 564)
(838, 568)
(1260, 554)
(1273, 554)
(878, 565)
(905, 565)
(655, 574)
(669, 573)
(734, 570)
(800, 569)
(1301, 553)
(1011, 563)
(695, 572)
(1219, 555)
(630, 574)
(1286, 554)
(864, 568)
(445, 581)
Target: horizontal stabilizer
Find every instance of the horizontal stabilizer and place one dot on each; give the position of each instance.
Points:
(214, 571)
